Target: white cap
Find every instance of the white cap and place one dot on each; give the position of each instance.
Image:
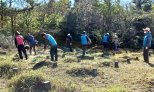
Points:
(146, 29)
(68, 34)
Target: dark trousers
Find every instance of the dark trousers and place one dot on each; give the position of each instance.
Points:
(70, 47)
(146, 55)
(84, 50)
(21, 49)
(32, 47)
(54, 53)
(105, 46)
(115, 47)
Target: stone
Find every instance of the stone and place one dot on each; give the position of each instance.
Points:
(15, 70)
(94, 72)
(128, 61)
(116, 64)
(46, 86)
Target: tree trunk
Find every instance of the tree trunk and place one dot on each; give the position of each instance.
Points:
(1, 13)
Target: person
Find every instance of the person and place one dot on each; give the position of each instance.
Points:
(105, 41)
(31, 42)
(85, 40)
(146, 44)
(69, 42)
(19, 43)
(116, 42)
(53, 44)
(94, 39)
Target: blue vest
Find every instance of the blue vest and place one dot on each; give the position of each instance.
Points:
(51, 40)
(84, 40)
(105, 38)
(147, 36)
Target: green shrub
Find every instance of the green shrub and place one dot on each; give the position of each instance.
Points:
(81, 71)
(27, 81)
(70, 60)
(6, 68)
(116, 88)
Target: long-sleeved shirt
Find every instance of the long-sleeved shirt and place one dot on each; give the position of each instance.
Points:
(147, 40)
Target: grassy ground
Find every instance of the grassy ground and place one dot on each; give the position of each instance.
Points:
(135, 77)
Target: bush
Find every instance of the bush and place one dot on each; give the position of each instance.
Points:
(116, 88)
(6, 69)
(27, 81)
(70, 60)
(81, 71)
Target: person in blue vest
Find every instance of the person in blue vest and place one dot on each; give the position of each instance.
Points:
(85, 40)
(146, 44)
(53, 44)
(105, 41)
(31, 42)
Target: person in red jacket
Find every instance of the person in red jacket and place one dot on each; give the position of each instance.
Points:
(19, 42)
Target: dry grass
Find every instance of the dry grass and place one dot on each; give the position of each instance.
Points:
(135, 77)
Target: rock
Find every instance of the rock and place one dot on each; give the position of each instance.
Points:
(94, 72)
(128, 61)
(46, 86)
(15, 70)
(116, 64)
